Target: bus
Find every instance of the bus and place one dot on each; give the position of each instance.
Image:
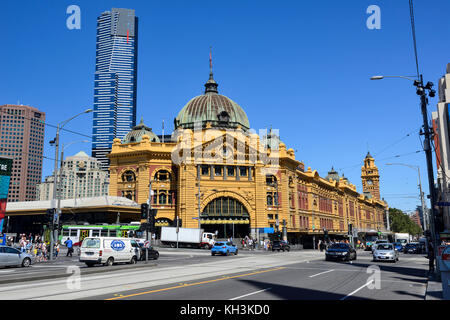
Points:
(368, 238)
(77, 233)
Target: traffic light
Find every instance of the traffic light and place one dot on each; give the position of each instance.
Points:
(144, 211)
(49, 216)
(325, 234)
(151, 223)
(350, 229)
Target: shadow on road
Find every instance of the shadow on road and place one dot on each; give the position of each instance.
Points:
(293, 293)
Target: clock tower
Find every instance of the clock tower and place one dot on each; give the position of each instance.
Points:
(370, 177)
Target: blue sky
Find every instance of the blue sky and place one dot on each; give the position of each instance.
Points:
(300, 66)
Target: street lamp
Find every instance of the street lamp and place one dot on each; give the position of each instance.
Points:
(422, 92)
(425, 214)
(55, 175)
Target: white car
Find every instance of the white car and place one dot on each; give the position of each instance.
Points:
(385, 251)
(107, 251)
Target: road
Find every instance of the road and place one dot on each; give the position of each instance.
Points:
(196, 275)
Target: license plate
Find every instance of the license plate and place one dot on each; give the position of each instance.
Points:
(89, 253)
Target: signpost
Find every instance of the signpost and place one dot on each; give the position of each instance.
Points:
(5, 177)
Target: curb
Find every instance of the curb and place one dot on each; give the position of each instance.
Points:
(64, 275)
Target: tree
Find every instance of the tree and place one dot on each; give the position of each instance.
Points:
(401, 223)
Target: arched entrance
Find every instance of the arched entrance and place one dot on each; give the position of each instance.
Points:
(226, 216)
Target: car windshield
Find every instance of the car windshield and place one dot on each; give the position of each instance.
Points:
(218, 244)
(91, 243)
(384, 247)
(339, 246)
(411, 245)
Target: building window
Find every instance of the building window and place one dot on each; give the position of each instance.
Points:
(128, 176)
(205, 170)
(271, 180)
(269, 199)
(230, 171)
(163, 175)
(243, 171)
(218, 170)
(162, 198)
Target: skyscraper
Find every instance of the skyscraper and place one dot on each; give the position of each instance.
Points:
(22, 138)
(115, 80)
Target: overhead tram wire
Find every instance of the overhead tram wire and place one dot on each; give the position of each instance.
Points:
(47, 124)
(413, 29)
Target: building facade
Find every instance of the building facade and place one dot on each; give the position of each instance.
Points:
(441, 147)
(115, 81)
(218, 174)
(22, 138)
(81, 177)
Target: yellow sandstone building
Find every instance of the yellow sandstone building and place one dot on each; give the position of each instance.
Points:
(218, 173)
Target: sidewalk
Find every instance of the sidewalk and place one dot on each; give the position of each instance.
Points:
(434, 289)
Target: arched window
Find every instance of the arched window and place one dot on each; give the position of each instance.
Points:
(128, 176)
(162, 175)
(225, 206)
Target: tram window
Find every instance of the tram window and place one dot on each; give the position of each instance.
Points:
(96, 233)
(104, 233)
(73, 232)
(65, 233)
(113, 233)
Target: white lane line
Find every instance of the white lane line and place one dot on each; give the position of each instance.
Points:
(318, 274)
(7, 271)
(350, 294)
(249, 294)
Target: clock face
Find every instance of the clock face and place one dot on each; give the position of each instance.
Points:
(369, 182)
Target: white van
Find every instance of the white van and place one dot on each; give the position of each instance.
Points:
(107, 251)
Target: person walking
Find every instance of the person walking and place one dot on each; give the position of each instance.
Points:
(69, 245)
(56, 249)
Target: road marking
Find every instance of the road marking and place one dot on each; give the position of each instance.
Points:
(318, 274)
(7, 271)
(194, 284)
(350, 294)
(249, 294)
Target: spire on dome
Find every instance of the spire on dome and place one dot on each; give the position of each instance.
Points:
(211, 85)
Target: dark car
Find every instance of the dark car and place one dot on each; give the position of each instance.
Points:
(152, 253)
(412, 248)
(340, 251)
(280, 245)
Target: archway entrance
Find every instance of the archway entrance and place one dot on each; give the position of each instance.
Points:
(227, 217)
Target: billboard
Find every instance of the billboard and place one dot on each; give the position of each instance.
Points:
(5, 176)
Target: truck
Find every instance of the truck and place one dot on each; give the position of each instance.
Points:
(189, 237)
(403, 238)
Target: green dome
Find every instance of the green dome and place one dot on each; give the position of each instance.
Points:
(211, 107)
(135, 135)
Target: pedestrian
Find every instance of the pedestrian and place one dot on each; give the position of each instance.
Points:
(28, 246)
(320, 245)
(56, 249)
(69, 245)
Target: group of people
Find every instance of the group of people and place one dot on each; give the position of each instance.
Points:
(34, 245)
(249, 243)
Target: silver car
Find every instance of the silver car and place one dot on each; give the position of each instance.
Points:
(13, 257)
(385, 251)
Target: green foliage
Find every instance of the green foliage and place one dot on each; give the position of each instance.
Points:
(401, 223)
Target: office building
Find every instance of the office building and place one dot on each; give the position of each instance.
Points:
(22, 138)
(115, 80)
(81, 177)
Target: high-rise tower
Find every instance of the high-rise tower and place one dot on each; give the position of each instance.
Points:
(370, 177)
(115, 80)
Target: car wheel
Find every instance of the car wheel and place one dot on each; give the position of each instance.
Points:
(228, 253)
(327, 259)
(156, 256)
(133, 260)
(26, 262)
(213, 253)
(89, 264)
(288, 249)
(109, 262)
(348, 258)
(236, 252)
(354, 258)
